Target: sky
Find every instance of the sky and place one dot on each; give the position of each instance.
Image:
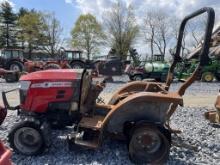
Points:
(67, 11)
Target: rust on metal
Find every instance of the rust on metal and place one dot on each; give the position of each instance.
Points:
(190, 80)
(141, 105)
(134, 87)
(94, 122)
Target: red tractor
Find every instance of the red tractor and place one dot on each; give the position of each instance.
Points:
(33, 66)
(138, 113)
(12, 59)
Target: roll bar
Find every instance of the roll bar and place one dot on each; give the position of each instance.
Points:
(203, 56)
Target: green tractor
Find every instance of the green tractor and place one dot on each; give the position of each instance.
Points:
(208, 74)
(210, 71)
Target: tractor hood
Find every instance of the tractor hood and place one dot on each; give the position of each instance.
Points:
(56, 74)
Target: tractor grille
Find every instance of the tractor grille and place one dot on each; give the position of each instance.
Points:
(24, 86)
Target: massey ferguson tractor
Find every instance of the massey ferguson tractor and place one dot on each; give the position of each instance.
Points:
(138, 113)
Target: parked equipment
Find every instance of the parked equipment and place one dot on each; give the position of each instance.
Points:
(12, 59)
(75, 59)
(33, 66)
(156, 69)
(110, 65)
(138, 113)
(208, 73)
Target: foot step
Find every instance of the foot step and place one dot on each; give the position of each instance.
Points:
(88, 138)
(94, 122)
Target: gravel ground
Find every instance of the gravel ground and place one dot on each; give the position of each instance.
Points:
(196, 132)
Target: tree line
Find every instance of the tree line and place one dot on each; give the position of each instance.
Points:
(29, 29)
(118, 29)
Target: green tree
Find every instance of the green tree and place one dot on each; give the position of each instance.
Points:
(20, 34)
(8, 25)
(87, 34)
(22, 11)
(122, 28)
(33, 28)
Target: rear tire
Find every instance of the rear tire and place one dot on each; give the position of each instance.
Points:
(149, 145)
(16, 66)
(27, 138)
(207, 77)
(77, 65)
(138, 77)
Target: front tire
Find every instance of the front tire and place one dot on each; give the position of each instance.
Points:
(77, 65)
(148, 145)
(16, 66)
(137, 77)
(27, 138)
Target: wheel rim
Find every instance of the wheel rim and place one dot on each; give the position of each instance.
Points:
(138, 78)
(149, 142)
(27, 140)
(149, 146)
(208, 77)
(14, 67)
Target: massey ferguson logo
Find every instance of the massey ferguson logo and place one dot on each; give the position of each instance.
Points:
(51, 84)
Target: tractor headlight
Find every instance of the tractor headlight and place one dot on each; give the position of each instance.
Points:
(24, 86)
